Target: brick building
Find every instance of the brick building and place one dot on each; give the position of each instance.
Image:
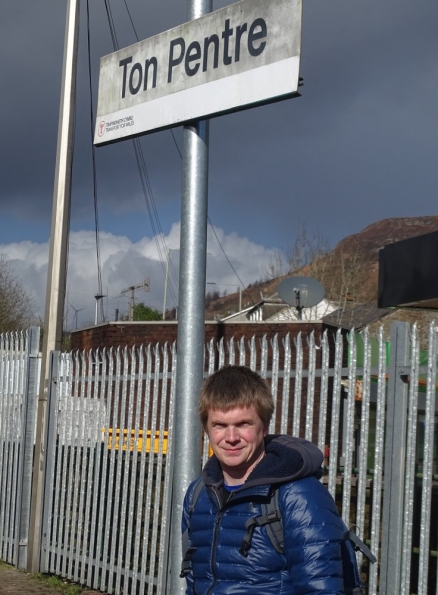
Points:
(128, 334)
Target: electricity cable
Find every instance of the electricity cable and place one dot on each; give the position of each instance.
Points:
(220, 245)
(142, 168)
(130, 18)
(219, 242)
(111, 25)
(145, 181)
(244, 289)
(229, 262)
(138, 39)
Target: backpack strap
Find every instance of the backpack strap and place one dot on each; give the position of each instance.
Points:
(187, 549)
(271, 517)
(359, 545)
(251, 524)
(275, 528)
(195, 494)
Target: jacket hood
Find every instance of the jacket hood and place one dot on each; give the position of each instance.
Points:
(286, 459)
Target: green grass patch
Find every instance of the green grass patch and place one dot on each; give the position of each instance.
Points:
(55, 582)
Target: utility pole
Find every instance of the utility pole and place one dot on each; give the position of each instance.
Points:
(191, 325)
(144, 286)
(97, 297)
(166, 279)
(165, 283)
(239, 289)
(56, 275)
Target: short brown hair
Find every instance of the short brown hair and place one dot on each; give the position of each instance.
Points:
(236, 386)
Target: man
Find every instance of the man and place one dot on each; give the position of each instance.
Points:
(230, 548)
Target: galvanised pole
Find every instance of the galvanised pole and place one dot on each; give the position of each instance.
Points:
(30, 395)
(395, 461)
(190, 363)
(57, 270)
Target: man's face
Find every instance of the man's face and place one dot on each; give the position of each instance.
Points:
(237, 439)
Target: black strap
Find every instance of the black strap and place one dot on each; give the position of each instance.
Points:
(359, 545)
(185, 564)
(195, 494)
(187, 550)
(275, 530)
(258, 521)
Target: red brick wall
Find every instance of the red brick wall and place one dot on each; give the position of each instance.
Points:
(115, 334)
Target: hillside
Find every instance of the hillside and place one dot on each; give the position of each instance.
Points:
(387, 231)
(349, 270)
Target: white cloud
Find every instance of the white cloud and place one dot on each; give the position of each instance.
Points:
(126, 263)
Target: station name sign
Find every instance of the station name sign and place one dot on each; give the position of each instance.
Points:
(243, 55)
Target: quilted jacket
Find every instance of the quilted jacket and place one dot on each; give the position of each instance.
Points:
(312, 528)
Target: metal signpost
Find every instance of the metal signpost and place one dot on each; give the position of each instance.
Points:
(243, 55)
(187, 427)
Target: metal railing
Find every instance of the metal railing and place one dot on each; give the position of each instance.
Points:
(109, 451)
(106, 511)
(19, 378)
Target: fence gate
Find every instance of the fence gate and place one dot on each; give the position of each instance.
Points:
(19, 379)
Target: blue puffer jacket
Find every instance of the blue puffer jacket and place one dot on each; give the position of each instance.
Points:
(312, 528)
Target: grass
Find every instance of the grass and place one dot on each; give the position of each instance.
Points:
(55, 582)
(51, 581)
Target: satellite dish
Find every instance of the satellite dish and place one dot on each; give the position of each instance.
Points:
(301, 292)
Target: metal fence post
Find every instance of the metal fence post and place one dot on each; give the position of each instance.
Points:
(49, 445)
(24, 482)
(395, 461)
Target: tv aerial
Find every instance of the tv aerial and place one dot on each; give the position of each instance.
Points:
(301, 292)
(145, 286)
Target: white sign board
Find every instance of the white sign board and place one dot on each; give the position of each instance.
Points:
(245, 54)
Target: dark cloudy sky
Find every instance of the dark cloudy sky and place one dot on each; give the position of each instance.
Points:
(361, 143)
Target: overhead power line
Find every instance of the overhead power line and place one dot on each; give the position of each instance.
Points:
(146, 185)
(142, 168)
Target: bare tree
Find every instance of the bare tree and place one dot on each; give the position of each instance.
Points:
(308, 249)
(347, 272)
(344, 271)
(17, 307)
(275, 268)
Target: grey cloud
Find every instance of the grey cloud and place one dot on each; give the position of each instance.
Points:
(357, 146)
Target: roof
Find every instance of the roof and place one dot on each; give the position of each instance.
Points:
(273, 309)
(356, 316)
(271, 305)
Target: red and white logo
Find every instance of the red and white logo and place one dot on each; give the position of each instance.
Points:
(101, 130)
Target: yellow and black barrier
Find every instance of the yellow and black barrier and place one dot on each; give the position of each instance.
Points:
(128, 443)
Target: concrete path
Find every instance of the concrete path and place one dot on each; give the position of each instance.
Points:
(14, 582)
